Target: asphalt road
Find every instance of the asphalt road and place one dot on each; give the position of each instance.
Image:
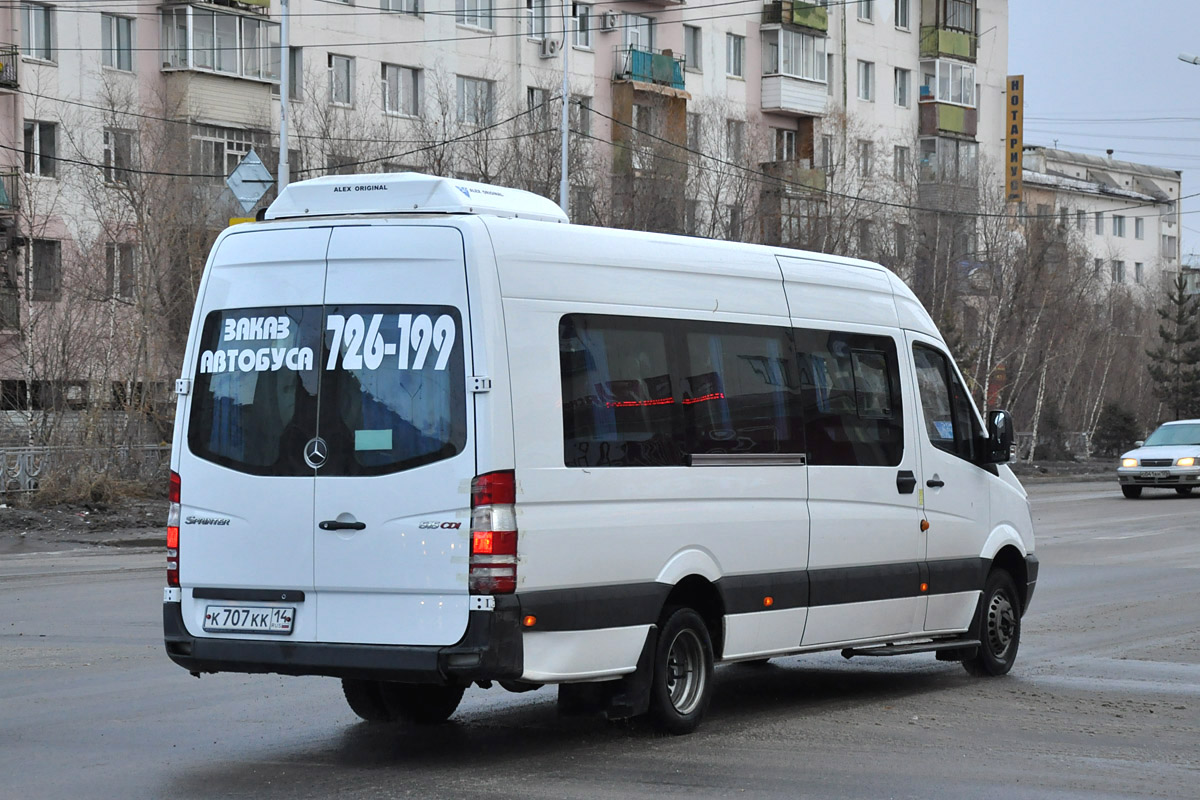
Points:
(1104, 701)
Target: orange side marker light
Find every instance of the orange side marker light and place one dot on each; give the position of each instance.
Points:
(924, 525)
(768, 601)
(529, 621)
(924, 587)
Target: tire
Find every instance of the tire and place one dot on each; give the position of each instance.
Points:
(999, 627)
(1183, 490)
(420, 704)
(366, 700)
(681, 686)
(1132, 492)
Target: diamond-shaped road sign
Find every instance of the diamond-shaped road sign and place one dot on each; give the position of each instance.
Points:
(250, 181)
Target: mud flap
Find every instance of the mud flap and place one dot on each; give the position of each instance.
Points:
(631, 694)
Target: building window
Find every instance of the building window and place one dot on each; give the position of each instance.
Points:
(796, 54)
(695, 130)
(960, 14)
(583, 26)
(865, 245)
(118, 156)
(231, 44)
(735, 137)
(295, 73)
(581, 114)
(476, 13)
(900, 232)
(902, 14)
(401, 90)
(41, 148)
(944, 160)
(785, 144)
(37, 31)
(900, 157)
(1118, 271)
(735, 55)
(1169, 247)
(948, 82)
(866, 10)
(733, 231)
(692, 47)
(1118, 226)
(866, 80)
(1139, 228)
(537, 102)
(1099, 266)
(827, 155)
(1099, 223)
(1139, 272)
(217, 151)
(638, 31)
(45, 270)
(535, 15)
(903, 82)
(1080, 219)
(474, 101)
(116, 37)
(341, 80)
(402, 6)
(118, 270)
(864, 157)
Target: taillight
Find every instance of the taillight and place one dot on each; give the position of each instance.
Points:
(173, 532)
(493, 533)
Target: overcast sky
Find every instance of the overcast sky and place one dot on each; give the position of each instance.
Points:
(1104, 74)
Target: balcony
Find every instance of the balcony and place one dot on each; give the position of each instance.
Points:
(935, 118)
(10, 182)
(796, 175)
(647, 66)
(10, 59)
(795, 12)
(784, 94)
(937, 42)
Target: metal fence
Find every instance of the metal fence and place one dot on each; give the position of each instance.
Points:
(23, 468)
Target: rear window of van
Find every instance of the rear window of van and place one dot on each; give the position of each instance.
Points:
(382, 386)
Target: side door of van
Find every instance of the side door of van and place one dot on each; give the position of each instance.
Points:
(246, 490)
(865, 544)
(392, 498)
(956, 493)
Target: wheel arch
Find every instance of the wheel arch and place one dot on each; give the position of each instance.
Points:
(700, 594)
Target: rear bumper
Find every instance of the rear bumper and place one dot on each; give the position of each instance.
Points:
(490, 649)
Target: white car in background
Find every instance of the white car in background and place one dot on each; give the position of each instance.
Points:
(1169, 459)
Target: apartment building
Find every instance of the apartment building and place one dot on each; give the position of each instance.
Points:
(1126, 215)
(119, 121)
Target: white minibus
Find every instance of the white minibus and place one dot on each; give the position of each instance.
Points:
(430, 436)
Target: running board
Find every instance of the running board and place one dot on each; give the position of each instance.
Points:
(915, 647)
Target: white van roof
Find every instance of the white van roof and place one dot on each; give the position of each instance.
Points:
(408, 192)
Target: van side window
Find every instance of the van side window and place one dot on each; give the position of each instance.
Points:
(620, 404)
(650, 392)
(850, 384)
(949, 416)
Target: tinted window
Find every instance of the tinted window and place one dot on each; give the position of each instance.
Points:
(620, 404)
(392, 392)
(393, 388)
(949, 416)
(255, 391)
(643, 392)
(851, 398)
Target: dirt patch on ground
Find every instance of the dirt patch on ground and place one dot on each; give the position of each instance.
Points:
(134, 522)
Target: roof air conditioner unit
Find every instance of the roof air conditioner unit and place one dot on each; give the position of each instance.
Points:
(609, 21)
(549, 48)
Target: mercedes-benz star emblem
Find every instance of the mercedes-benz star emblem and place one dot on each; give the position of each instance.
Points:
(315, 452)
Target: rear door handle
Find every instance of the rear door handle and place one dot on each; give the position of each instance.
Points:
(906, 481)
(935, 483)
(335, 525)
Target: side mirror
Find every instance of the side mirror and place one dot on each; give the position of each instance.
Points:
(1000, 438)
(1139, 443)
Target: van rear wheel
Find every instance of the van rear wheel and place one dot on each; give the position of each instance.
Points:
(999, 627)
(421, 704)
(683, 672)
(366, 699)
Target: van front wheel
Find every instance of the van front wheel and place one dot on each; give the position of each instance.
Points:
(683, 672)
(999, 627)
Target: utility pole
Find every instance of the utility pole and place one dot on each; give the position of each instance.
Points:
(564, 200)
(285, 69)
